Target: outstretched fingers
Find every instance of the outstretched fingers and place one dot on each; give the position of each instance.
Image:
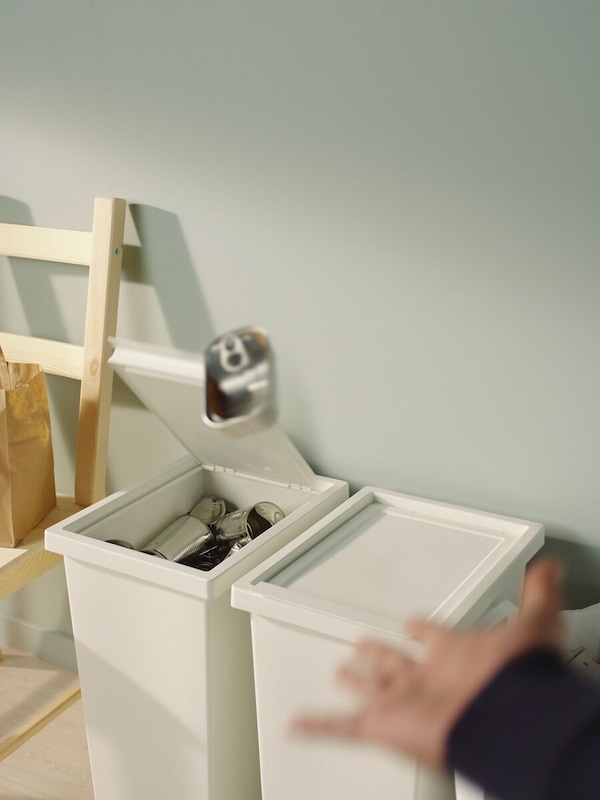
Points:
(381, 678)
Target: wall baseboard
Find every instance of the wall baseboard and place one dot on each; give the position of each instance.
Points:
(54, 646)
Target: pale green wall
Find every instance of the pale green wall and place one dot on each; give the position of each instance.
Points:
(405, 194)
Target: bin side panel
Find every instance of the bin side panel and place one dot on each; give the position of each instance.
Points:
(145, 706)
(294, 673)
(233, 737)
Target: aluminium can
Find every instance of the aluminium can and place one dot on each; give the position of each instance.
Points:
(183, 537)
(251, 521)
(209, 508)
(121, 543)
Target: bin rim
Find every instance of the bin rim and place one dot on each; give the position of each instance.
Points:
(74, 537)
(257, 593)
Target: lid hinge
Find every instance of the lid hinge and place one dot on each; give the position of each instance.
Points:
(218, 468)
(300, 487)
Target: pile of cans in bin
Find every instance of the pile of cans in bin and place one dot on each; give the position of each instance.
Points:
(211, 532)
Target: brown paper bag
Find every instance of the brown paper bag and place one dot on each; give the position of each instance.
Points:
(27, 490)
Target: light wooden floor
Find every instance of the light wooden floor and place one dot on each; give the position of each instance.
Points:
(54, 763)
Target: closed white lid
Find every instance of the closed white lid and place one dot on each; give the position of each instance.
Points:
(170, 382)
(381, 558)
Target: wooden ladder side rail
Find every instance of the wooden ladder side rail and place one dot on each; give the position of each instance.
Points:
(101, 322)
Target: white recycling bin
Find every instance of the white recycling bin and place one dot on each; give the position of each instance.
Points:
(164, 660)
(372, 563)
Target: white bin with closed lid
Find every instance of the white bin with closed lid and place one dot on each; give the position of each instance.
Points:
(377, 560)
(164, 660)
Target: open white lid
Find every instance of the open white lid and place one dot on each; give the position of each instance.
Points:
(381, 558)
(171, 383)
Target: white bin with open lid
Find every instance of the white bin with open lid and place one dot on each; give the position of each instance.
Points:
(363, 571)
(164, 660)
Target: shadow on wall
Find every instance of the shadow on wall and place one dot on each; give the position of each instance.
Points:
(161, 302)
(163, 262)
(582, 563)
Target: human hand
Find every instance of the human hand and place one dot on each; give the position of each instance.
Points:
(412, 706)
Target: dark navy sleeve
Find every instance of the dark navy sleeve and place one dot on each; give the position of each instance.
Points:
(532, 734)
